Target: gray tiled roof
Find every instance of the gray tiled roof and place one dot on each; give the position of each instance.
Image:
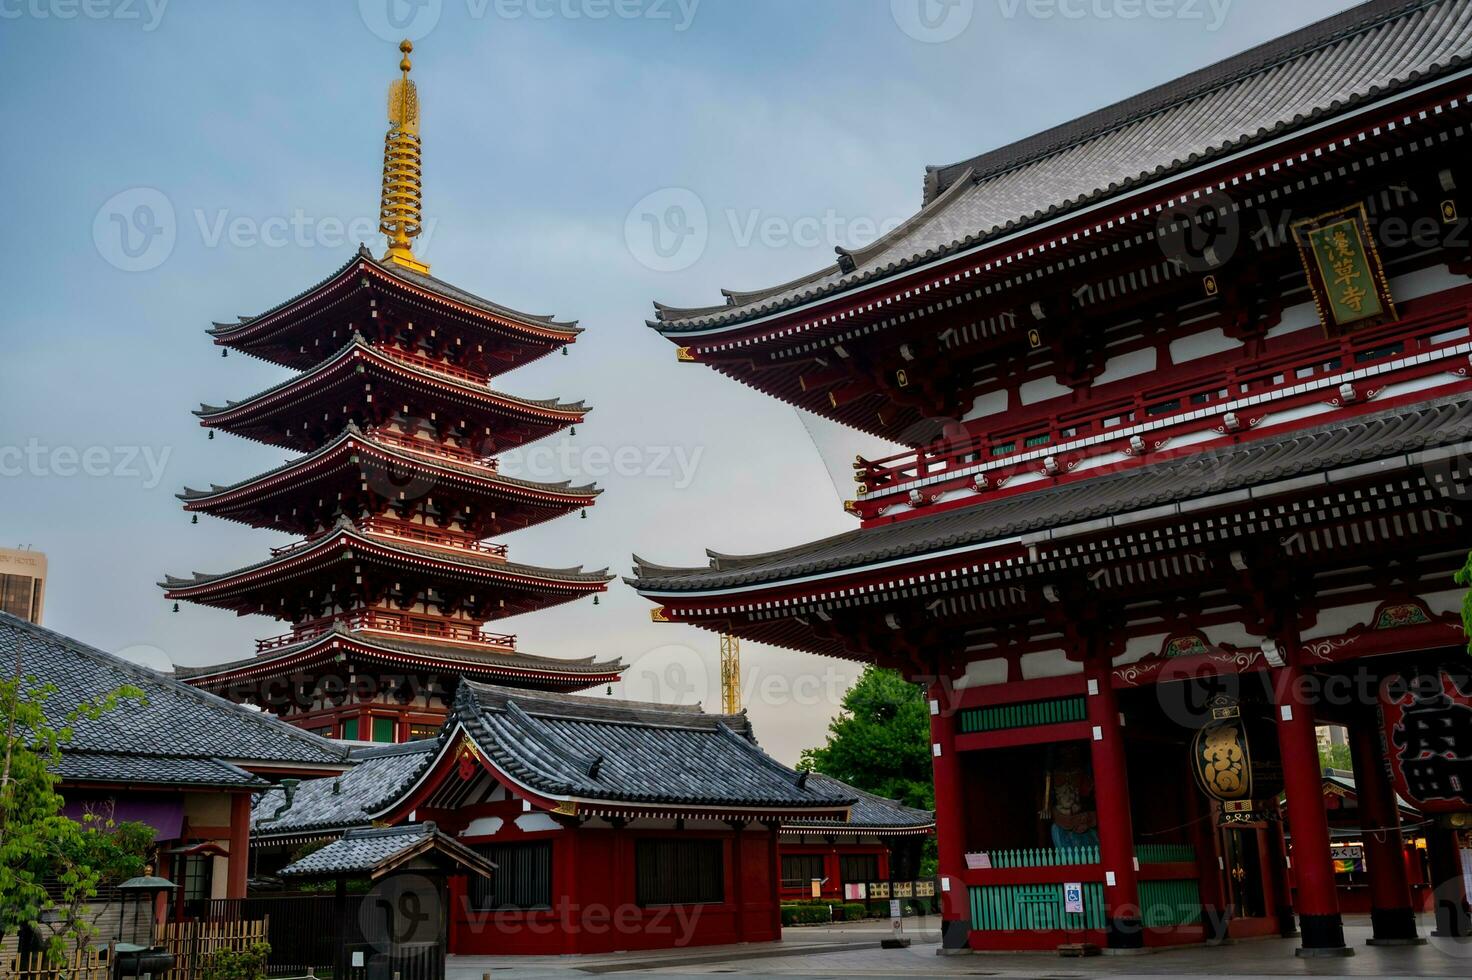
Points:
(363, 852)
(469, 559)
(112, 767)
(631, 752)
(180, 735)
(1366, 53)
(869, 812)
(1383, 435)
(409, 457)
(376, 779)
(358, 343)
(424, 281)
(470, 659)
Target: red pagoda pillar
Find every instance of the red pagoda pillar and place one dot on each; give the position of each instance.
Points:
(1391, 914)
(1450, 895)
(950, 824)
(1313, 864)
(1124, 928)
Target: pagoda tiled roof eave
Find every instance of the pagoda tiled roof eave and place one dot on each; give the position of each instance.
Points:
(424, 652)
(357, 347)
(195, 499)
(1428, 39)
(1393, 434)
(551, 328)
(345, 532)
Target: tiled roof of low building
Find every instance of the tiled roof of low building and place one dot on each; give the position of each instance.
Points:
(870, 813)
(379, 774)
(595, 749)
(372, 852)
(178, 736)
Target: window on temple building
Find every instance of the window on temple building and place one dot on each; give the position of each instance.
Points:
(523, 877)
(350, 730)
(384, 729)
(800, 869)
(679, 872)
(854, 868)
(199, 881)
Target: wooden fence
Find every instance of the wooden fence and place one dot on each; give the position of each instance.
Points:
(303, 928)
(86, 964)
(193, 942)
(190, 942)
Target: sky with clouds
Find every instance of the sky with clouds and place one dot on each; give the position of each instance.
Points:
(174, 162)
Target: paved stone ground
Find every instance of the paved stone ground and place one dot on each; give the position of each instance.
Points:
(839, 952)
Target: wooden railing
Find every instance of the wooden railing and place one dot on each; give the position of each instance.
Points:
(1276, 376)
(401, 624)
(430, 364)
(428, 447)
(388, 527)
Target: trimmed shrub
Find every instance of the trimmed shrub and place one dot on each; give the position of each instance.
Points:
(805, 915)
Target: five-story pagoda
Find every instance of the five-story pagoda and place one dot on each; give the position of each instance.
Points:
(389, 587)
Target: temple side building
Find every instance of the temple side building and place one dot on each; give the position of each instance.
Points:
(613, 825)
(1185, 389)
(392, 579)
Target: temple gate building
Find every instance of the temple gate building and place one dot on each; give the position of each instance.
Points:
(390, 585)
(1185, 388)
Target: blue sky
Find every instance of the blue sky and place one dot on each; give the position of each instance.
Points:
(239, 144)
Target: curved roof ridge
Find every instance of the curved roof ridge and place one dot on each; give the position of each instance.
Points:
(358, 342)
(344, 524)
(352, 431)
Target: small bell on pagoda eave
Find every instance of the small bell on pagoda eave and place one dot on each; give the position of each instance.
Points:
(194, 519)
(176, 607)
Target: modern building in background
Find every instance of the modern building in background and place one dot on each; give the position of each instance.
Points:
(22, 583)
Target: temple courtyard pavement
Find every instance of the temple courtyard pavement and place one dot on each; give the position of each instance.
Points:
(853, 951)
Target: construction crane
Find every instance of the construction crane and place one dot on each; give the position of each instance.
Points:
(730, 674)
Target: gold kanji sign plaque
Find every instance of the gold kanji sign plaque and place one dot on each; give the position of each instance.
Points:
(1344, 270)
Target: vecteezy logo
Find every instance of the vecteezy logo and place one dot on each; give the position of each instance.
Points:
(134, 230)
(394, 20)
(933, 21)
(667, 230)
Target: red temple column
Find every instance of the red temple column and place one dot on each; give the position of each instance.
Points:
(950, 821)
(1124, 929)
(1391, 914)
(1449, 893)
(239, 875)
(1313, 861)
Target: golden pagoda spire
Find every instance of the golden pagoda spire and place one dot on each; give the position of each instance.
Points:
(400, 209)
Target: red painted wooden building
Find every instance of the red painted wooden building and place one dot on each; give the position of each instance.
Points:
(614, 825)
(390, 580)
(1184, 385)
(881, 841)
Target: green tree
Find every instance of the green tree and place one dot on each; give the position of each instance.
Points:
(881, 740)
(1464, 579)
(36, 840)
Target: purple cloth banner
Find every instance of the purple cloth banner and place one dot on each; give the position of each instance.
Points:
(164, 814)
